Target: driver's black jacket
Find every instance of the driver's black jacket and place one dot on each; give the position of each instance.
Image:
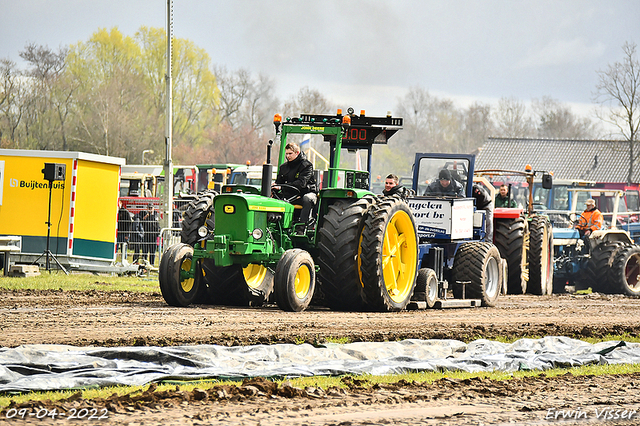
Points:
(298, 173)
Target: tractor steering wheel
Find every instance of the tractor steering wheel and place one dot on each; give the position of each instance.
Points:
(278, 193)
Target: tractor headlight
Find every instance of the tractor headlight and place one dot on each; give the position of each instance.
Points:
(203, 231)
(257, 233)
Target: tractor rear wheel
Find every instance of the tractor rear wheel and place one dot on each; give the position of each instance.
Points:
(478, 263)
(389, 255)
(176, 290)
(339, 237)
(295, 280)
(199, 212)
(509, 236)
(626, 270)
(237, 286)
(540, 256)
(599, 273)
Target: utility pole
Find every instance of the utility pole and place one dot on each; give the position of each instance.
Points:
(167, 196)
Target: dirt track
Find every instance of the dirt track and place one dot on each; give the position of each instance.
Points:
(109, 319)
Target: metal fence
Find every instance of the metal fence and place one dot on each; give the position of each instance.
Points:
(140, 238)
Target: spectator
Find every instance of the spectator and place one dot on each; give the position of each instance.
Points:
(136, 237)
(503, 198)
(125, 227)
(483, 202)
(149, 221)
(445, 186)
(392, 187)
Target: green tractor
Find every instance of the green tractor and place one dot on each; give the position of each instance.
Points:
(243, 247)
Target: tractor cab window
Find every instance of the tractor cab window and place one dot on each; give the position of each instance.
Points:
(560, 198)
(540, 197)
(429, 169)
(633, 201)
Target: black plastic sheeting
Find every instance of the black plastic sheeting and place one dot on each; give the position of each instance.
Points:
(57, 367)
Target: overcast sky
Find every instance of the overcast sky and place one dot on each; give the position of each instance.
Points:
(367, 54)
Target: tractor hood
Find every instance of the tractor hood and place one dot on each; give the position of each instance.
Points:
(241, 226)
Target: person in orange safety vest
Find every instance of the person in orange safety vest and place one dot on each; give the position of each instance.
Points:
(590, 220)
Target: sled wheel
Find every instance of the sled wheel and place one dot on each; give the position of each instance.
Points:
(237, 286)
(478, 263)
(509, 236)
(338, 241)
(199, 212)
(540, 256)
(389, 255)
(626, 270)
(178, 290)
(427, 287)
(295, 280)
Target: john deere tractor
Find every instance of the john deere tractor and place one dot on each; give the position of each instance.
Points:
(248, 248)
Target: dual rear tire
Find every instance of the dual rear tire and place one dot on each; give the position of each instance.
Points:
(478, 264)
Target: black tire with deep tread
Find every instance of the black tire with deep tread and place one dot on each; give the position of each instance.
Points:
(377, 222)
(540, 256)
(338, 241)
(509, 237)
(197, 214)
(473, 262)
(285, 279)
(626, 270)
(227, 286)
(169, 276)
(599, 274)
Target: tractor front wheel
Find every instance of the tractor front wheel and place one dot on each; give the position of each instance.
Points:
(426, 287)
(295, 280)
(389, 255)
(178, 290)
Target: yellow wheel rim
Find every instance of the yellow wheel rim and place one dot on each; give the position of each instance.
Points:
(254, 274)
(302, 282)
(399, 256)
(186, 284)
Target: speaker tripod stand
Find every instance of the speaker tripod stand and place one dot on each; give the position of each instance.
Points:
(47, 252)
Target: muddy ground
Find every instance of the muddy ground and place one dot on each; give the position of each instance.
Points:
(123, 318)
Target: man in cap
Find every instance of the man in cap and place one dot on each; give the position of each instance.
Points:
(445, 186)
(590, 220)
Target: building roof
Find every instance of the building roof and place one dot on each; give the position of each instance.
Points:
(605, 161)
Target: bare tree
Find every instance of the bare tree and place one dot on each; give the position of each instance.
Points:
(429, 122)
(556, 120)
(477, 126)
(12, 93)
(51, 92)
(245, 100)
(308, 101)
(619, 89)
(511, 119)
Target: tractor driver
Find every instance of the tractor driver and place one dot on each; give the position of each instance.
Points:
(297, 171)
(590, 220)
(445, 186)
